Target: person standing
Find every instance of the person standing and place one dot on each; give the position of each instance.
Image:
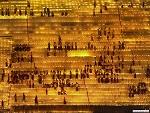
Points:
(76, 73)
(24, 98)
(134, 74)
(93, 12)
(49, 46)
(46, 91)
(105, 31)
(53, 14)
(20, 13)
(36, 100)
(113, 34)
(92, 39)
(94, 4)
(25, 12)
(28, 4)
(2, 12)
(48, 12)
(2, 104)
(65, 100)
(101, 9)
(15, 97)
(70, 74)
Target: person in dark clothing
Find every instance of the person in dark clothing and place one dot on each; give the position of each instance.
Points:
(33, 85)
(28, 4)
(2, 12)
(20, 13)
(2, 104)
(15, 10)
(6, 11)
(65, 100)
(6, 63)
(101, 9)
(36, 100)
(133, 62)
(24, 98)
(48, 12)
(143, 4)
(53, 14)
(15, 96)
(77, 86)
(25, 11)
(3, 75)
(105, 31)
(49, 46)
(70, 75)
(105, 7)
(94, 4)
(94, 12)
(32, 77)
(134, 74)
(45, 12)
(76, 73)
(46, 91)
(31, 12)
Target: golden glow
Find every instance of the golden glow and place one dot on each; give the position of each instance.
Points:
(78, 53)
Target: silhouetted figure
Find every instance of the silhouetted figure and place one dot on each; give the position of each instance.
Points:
(105, 7)
(94, 12)
(28, 4)
(53, 14)
(23, 98)
(134, 74)
(94, 4)
(2, 104)
(33, 85)
(65, 100)
(8, 12)
(49, 46)
(2, 12)
(31, 12)
(15, 10)
(101, 9)
(46, 91)
(15, 97)
(92, 39)
(143, 4)
(36, 100)
(113, 34)
(48, 12)
(45, 12)
(25, 12)
(20, 13)
(77, 86)
(105, 31)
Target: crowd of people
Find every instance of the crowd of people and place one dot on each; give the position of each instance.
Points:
(73, 45)
(141, 88)
(106, 74)
(22, 47)
(46, 10)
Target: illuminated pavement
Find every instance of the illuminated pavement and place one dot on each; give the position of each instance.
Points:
(131, 25)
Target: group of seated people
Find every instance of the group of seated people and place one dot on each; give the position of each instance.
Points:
(62, 83)
(108, 79)
(141, 88)
(16, 78)
(22, 47)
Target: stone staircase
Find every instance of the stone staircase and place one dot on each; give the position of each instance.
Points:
(131, 26)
